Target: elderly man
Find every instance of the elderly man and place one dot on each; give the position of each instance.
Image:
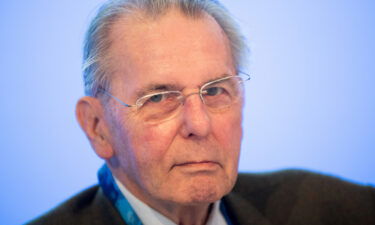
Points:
(164, 110)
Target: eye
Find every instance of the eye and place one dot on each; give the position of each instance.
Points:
(160, 99)
(212, 91)
(157, 98)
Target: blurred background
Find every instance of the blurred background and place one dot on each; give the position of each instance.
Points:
(310, 103)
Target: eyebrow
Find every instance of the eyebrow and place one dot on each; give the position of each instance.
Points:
(156, 87)
(219, 77)
(153, 87)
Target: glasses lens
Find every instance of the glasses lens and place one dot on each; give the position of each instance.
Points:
(158, 106)
(222, 93)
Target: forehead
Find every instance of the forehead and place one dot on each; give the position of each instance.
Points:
(173, 48)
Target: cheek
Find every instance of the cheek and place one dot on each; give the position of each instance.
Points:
(152, 141)
(228, 129)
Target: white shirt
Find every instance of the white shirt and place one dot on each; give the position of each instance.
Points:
(149, 216)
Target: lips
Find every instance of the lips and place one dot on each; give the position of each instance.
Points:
(197, 164)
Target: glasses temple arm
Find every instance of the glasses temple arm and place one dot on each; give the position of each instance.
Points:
(115, 98)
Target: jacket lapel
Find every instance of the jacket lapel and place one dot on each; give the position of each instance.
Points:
(242, 212)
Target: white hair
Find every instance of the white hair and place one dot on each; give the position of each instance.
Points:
(97, 43)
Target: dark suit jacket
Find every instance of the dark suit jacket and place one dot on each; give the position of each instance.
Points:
(288, 197)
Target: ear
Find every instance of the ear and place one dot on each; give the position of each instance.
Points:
(90, 115)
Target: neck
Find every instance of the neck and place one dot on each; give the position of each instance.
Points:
(182, 214)
(186, 215)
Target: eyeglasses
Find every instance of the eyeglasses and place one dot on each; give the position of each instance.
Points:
(217, 95)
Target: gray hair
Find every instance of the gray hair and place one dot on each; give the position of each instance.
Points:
(97, 43)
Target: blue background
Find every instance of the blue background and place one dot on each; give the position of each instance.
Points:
(310, 103)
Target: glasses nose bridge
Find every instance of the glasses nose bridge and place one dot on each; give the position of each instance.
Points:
(192, 93)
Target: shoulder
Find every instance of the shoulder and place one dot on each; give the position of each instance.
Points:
(285, 183)
(297, 195)
(87, 207)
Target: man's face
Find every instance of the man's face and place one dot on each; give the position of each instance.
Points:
(190, 158)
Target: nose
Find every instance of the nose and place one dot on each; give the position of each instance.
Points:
(195, 119)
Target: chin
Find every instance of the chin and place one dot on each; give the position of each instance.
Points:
(204, 196)
(206, 191)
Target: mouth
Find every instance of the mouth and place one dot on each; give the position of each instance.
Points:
(205, 165)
